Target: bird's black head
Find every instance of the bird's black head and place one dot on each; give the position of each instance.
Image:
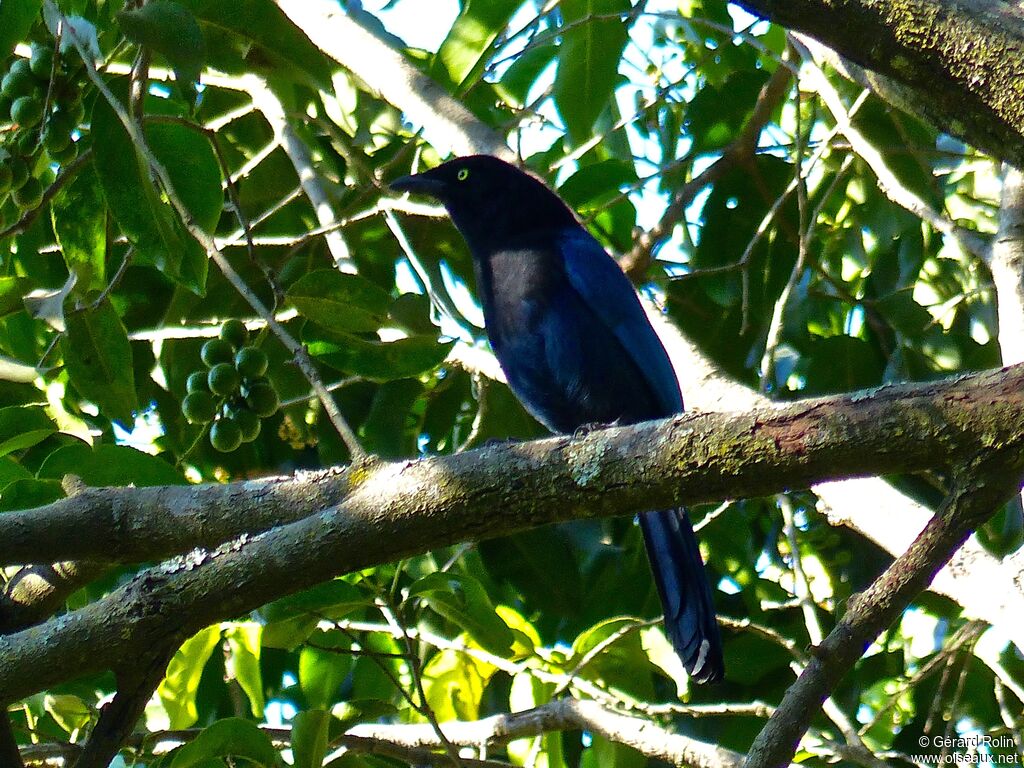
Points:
(490, 200)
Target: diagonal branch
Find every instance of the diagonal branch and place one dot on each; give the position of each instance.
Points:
(384, 70)
(978, 492)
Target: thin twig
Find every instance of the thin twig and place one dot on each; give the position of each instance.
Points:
(298, 350)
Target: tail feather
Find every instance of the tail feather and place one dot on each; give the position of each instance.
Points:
(685, 593)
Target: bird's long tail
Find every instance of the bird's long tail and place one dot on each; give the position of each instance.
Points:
(685, 592)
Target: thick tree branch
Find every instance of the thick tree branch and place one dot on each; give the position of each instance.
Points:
(704, 386)
(386, 71)
(157, 522)
(36, 592)
(395, 510)
(118, 717)
(9, 755)
(964, 54)
(977, 493)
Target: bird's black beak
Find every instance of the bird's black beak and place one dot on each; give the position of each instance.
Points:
(421, 184)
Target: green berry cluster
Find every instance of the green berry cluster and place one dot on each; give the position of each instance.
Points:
(233, 392)
(42, 102)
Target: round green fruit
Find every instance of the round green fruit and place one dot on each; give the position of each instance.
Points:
(6, 176)
(28, 195)
(21, 67)
(251, 363)
(234, 333)
(19, 171)
(248, 423)
(27, 141)
(263, 400)
(66, 155)
(196, 382)
(217, 351)
(199, 407)
(41, 63)
(27, 111)
(17, 83)
(55, 139)
(223, 379)
(225, 435)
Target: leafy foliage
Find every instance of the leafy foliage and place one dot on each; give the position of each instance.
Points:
(107, 298)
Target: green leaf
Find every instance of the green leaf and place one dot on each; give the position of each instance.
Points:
(169, 29)
(178, 689)
(331, 600)
(11, 470)
(517, 81)
(377, 360)
(597, 183)
(623, 664)
(16, 17)
(109, 465)
(149, 222)
(464, 51)
(263, 23)
(231, 737)
(191, 162)
(321, 673)
(588, 62)
(310, 738)
(70, 712)
(28, 493)
(340, 301)
(79, 215)
(22, 426)
(98, 357)
(455, 682)
(463, 601)
(244, 659)
(12, 291)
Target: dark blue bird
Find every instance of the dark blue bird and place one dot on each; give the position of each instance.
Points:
(574, 342)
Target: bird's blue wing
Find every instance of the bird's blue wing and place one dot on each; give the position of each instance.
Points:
(607, 292)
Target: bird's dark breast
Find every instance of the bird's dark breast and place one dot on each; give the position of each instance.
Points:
(561, 361)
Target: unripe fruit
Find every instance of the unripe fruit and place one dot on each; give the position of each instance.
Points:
(196, 382)
(199, 407)
(250, 362)
(16, 83)
(223, 379)
(27, 111)
(248, 423)
(225, 435)
(19, 171)
(217, 351)
(55, 139)
(66, 155)
(29, 194)
(263, 400)
(41, 63)
(234, 333)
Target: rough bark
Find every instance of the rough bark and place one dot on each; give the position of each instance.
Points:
(966, 55)
(398, 509)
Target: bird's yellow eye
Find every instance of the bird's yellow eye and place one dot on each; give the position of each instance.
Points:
(463, 174)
